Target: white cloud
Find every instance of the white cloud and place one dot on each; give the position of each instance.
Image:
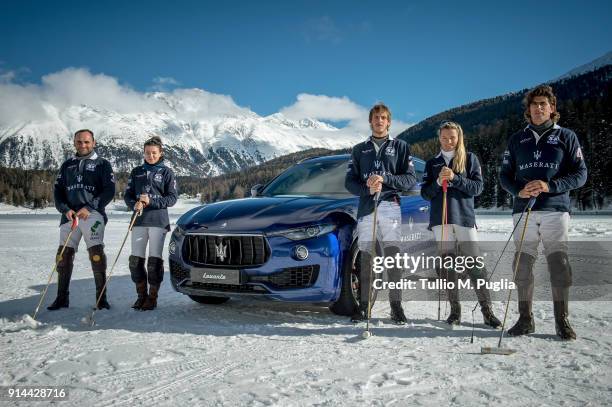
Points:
(165, 80)
(328, 108)
(8, 76)
(23, 102)
(324, 108)
(78, 86)
(163, 83)
(194, 104)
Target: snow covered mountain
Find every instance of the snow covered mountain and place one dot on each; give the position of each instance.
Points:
(588, 67)
(196, 144)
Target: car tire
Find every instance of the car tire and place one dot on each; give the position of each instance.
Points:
(208, 299)
(348, 301)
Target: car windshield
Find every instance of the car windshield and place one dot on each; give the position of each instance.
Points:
(317, 178)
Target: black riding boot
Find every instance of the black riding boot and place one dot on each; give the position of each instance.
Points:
(453, 297)
(64, 272)
(155, 269)
(139, 277)
(365, 269)
(524, 283)
(484, 296)
(395, 295)
(561, 280)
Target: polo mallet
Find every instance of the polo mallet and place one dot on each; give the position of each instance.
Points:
(444, 221)
(529, 205)
(366, 334)
(135, 215)
(499, 350)
(75, 224)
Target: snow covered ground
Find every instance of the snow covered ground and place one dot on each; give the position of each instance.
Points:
(250, 352)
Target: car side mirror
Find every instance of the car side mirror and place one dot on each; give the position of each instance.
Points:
(256, 190)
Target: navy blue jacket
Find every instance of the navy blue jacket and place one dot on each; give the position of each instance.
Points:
(459, 195)
(556, 158)
(84, 183)
(159, 183)
(393, 162)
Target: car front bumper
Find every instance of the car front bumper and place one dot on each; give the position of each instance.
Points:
(282, 277)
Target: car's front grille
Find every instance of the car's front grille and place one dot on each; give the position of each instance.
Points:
(226, 251)
(291, 277)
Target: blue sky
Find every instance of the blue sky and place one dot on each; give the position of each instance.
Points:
(419, 57)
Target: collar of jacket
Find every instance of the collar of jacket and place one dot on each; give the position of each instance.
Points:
(389, 138)
(150, 167)
(555, 126)
(91, 156)
(439, 155)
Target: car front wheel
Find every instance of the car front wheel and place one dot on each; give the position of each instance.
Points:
(350, 293)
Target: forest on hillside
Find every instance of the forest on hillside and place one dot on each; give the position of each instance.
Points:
(585, 105)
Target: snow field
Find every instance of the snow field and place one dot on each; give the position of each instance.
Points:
(251, 352)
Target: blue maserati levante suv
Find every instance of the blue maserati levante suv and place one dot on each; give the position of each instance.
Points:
(293, 240)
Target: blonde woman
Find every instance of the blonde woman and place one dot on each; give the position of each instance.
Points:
(461, 170)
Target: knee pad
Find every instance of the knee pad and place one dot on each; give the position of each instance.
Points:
(97, 258)
(67, 258)
(524, 274)
(559, 269)
(137, 269)
(155, 269)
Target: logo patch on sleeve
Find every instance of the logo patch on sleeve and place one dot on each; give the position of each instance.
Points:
(553, 139)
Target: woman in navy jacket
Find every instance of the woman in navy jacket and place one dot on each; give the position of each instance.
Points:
(152, 189)
(461, 170)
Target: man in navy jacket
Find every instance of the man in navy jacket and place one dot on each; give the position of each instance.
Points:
(84, 186)
(543, 160)
(379, 164)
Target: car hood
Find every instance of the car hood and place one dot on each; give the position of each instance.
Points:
(263, 214)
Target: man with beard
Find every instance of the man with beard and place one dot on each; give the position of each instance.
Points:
(84, 186)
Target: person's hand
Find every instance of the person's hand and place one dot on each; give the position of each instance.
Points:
(523, 193)
(446, 174)
(144, 198)
(83, 213)
(70, 215)
(536, 187)
(376, 188)
(373, 180)
(139, 205)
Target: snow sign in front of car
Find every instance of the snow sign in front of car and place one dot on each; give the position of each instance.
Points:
(293, 240)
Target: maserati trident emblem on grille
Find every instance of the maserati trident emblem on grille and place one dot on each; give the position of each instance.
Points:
(221, 251)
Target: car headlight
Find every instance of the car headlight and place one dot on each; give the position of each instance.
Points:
(306, 232)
